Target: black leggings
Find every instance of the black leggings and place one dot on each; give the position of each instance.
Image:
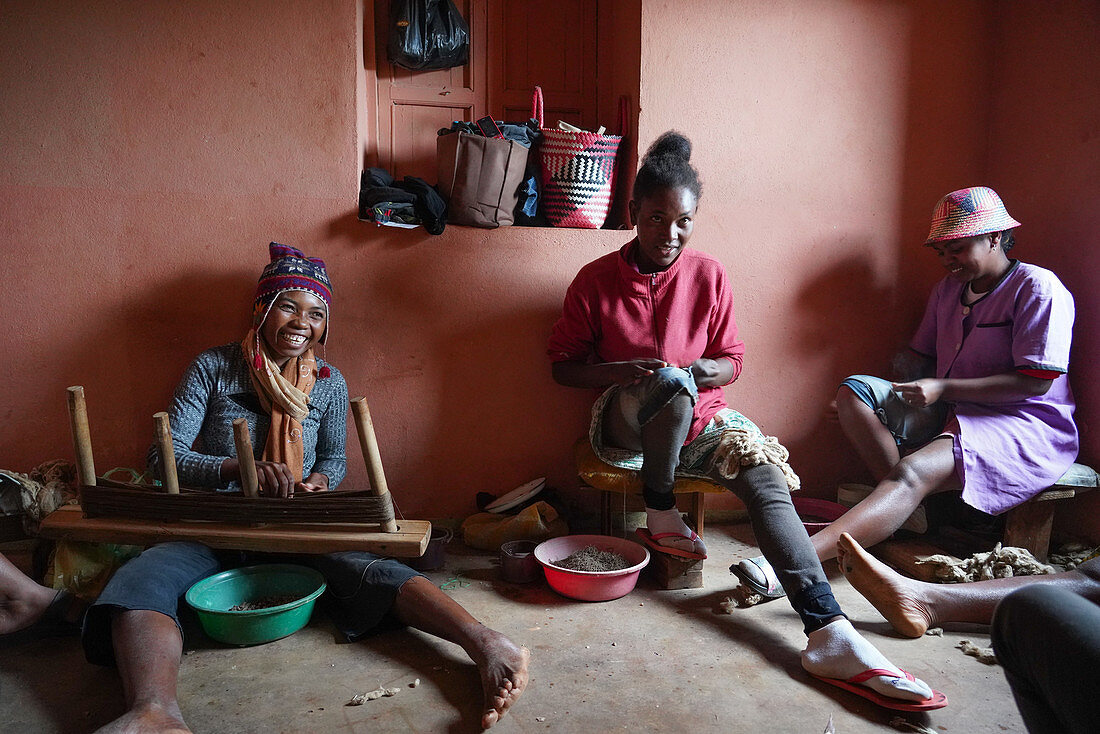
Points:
(779, 531)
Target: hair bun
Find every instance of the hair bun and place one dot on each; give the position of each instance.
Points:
(670, 143)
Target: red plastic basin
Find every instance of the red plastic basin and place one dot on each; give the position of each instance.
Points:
(591, 585)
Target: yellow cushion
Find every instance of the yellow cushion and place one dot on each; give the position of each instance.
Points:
(602, 475)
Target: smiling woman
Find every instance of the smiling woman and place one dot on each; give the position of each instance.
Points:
(295, 403)
(988, 408)
(297, 321)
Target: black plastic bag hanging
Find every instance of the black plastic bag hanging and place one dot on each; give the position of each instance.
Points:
(427, 34)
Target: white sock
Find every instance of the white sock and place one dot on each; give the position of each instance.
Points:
(670, 521)
(837, 650)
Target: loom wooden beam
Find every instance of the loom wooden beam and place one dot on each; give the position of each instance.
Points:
(368, 442)
(82, 437)
(408, 540)
(250, 483)
(163, 435)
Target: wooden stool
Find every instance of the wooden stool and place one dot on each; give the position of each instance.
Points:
(1028, 525)
(611, 480)
(671, 572)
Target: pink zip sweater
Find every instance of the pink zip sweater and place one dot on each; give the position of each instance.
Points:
(613, 313)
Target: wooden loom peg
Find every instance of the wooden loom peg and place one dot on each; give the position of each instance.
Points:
(163, 434)
(250, 484)
(368, 442)
(82, 437)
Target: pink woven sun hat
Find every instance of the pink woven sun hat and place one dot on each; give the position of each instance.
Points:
(968, 213)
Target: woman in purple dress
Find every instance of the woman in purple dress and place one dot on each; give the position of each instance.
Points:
(984, 405)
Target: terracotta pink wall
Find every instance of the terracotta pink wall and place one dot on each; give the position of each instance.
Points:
(1045, 155)
(819, 136)
(151, 153)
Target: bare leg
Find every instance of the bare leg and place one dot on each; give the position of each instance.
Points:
(22, 600)
(502, 664)
(872, 440)
(148, 646)
(929, 469)
(911, 606)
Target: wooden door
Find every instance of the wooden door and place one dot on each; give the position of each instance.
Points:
(514, 45)
(551, 44)
(414, 105)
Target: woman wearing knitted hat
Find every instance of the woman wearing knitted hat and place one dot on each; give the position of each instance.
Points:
(985, 405)
(296, 407)
(273, 379)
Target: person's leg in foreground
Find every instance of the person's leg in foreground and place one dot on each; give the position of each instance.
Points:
(835, 651)
(134, 625)
(148, 647)
(501, 663)
(1048, 640)
(912, 606)
(365, 587)
(23, 601)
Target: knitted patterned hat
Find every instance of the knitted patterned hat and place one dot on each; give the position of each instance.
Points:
(968, 213)
(291, 270)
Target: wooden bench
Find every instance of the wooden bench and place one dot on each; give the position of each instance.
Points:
(1028, 525)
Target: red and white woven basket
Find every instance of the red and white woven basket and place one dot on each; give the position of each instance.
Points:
(577, 176)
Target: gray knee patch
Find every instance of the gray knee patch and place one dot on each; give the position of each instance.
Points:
(662, 387)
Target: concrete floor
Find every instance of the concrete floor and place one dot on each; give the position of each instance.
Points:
(654, 660)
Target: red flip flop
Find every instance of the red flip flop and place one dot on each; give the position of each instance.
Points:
(938, 700)
(651, 541)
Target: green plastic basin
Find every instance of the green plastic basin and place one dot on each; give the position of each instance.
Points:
(214, 596)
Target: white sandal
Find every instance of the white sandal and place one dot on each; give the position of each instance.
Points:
(748, 575)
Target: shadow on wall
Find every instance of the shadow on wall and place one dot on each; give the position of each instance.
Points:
(130, 365)
(489, 399)
(852, 320)
(847, 292)
(946, 137)
(498, 403)
(450, 350)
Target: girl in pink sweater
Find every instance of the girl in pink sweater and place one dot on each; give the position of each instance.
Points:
(653, 326)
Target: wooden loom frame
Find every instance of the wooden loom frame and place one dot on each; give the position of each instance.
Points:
(400, 538)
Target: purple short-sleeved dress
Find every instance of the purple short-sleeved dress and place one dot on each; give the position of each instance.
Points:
(1006, 453)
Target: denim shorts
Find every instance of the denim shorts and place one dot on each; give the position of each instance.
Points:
(361, 587)
(641, 401)
(911, 426)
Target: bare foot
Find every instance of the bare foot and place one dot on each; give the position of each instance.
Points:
(896, 597)
(503, 668)
(22, 600)
(148, 720)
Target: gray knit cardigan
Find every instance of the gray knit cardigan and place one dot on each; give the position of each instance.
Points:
(216, 390)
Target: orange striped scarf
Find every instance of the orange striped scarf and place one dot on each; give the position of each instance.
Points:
(284, 394)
